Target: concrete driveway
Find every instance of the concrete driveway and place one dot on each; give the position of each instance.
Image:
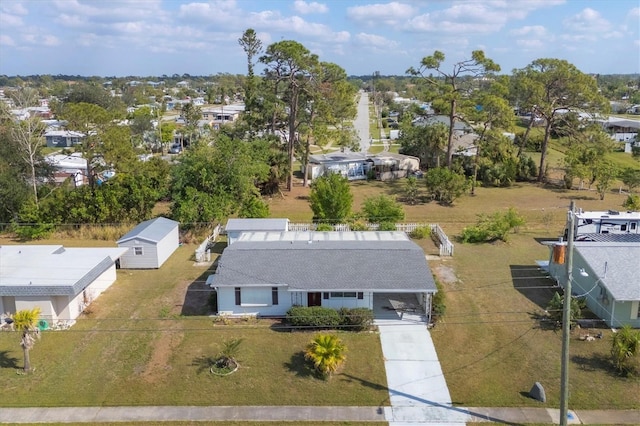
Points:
(418, 391)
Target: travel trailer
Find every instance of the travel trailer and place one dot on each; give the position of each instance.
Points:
(604, 222)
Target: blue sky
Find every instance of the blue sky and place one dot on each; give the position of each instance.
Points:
(155, 37)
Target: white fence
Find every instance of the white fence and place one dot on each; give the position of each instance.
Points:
(203, 252)
(445, 245)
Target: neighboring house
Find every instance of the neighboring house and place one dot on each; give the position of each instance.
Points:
(229, 113)
(149, 244)
(63, 138)
(459, 127)
(606, 274)
(266, 273)
(634, 109)
(68, 166)
(235, 227)
(60, 281)
(358, 165)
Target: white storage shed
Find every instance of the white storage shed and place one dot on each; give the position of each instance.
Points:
(150, 244)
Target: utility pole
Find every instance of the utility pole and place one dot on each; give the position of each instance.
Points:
(566, 322)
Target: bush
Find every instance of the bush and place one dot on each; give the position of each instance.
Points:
(387, 226)
(438, 305)
(493, 227)
(313, 316)
(420, 233)
(324, 227)
(632, 202)
(356, 319)
(358, 225)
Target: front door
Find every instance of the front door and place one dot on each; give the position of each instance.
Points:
(314, 299)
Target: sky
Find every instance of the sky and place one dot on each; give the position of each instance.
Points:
(155, 37)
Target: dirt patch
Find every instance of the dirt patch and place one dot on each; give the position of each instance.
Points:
(163, 347)
(445, 274)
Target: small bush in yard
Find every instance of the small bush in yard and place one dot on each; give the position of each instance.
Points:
(496, 226)
(421, 233)
(356, 319)
(314, 316)
(438, 306)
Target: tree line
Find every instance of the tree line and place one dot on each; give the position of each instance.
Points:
(298, 101)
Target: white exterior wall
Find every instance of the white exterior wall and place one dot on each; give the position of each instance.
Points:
(148, 259)
(233, 236)
(286, 299)
(249, 295)
(347, 302)
(31, 302)
(167, 246)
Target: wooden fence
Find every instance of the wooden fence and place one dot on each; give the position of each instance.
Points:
(203, 252)
(445, 245)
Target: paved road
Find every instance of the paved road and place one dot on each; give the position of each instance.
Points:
(361, 122)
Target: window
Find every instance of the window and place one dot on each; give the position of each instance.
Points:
(274, 295)
(360, 295)
(238, 296)
(623, 227)
(633, 226)
(137, 251)
(325, 295)
(343, 294)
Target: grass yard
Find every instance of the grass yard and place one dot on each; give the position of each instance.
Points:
(146, 340)
(491, 347)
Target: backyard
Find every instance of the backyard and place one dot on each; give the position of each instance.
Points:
(146, 340)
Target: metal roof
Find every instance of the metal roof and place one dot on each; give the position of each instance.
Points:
(52, 270)
(153, 230)
(617, 265)
(257, 225)
(326, 262)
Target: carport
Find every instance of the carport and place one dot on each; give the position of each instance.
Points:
(393, 306)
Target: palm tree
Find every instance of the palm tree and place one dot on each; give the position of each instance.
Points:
(26, 322)
(624, 346)
(327, 353)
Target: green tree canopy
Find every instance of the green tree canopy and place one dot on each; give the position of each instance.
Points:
(382, 209)
(330, 198)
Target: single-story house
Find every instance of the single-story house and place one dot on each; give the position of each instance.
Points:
(358, 165)
(63, 138)
(224, 114)
(266, 273)
(606, 273)
(149, 244)
(235, 227)
(60, 281)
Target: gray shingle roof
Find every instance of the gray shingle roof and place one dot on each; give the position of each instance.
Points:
(152, 230)
(622, 262)
(383, 266)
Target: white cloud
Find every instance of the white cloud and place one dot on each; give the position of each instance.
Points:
(5, 40)
(373, 40)
(14, 8)
(50, 40)
(589, 20)
(274, 22)
(305, 8)
(530, 44)
(530, 30)
(8, 20)
(634, 13)
(389, 13)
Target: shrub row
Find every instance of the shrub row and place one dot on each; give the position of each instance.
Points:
(355, 319)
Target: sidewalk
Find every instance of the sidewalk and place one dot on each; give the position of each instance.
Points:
(300, 414)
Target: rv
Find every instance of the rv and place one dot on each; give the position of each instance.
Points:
(609, 222)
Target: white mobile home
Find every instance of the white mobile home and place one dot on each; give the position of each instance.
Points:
(60, 281)
(150, 244)
(266, 273)
(605, 222)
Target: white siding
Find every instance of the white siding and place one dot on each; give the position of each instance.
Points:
(30, 302)
(345, 302)
(167, 246)
(255, 300)
(148, 259)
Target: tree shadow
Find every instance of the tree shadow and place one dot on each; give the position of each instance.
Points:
(203, 363)
(8, 361)
(299, 365)
(595, 362)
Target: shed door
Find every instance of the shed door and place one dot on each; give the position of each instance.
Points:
(314, 299)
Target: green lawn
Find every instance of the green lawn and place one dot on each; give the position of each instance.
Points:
(145, 336)
(142, 345)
